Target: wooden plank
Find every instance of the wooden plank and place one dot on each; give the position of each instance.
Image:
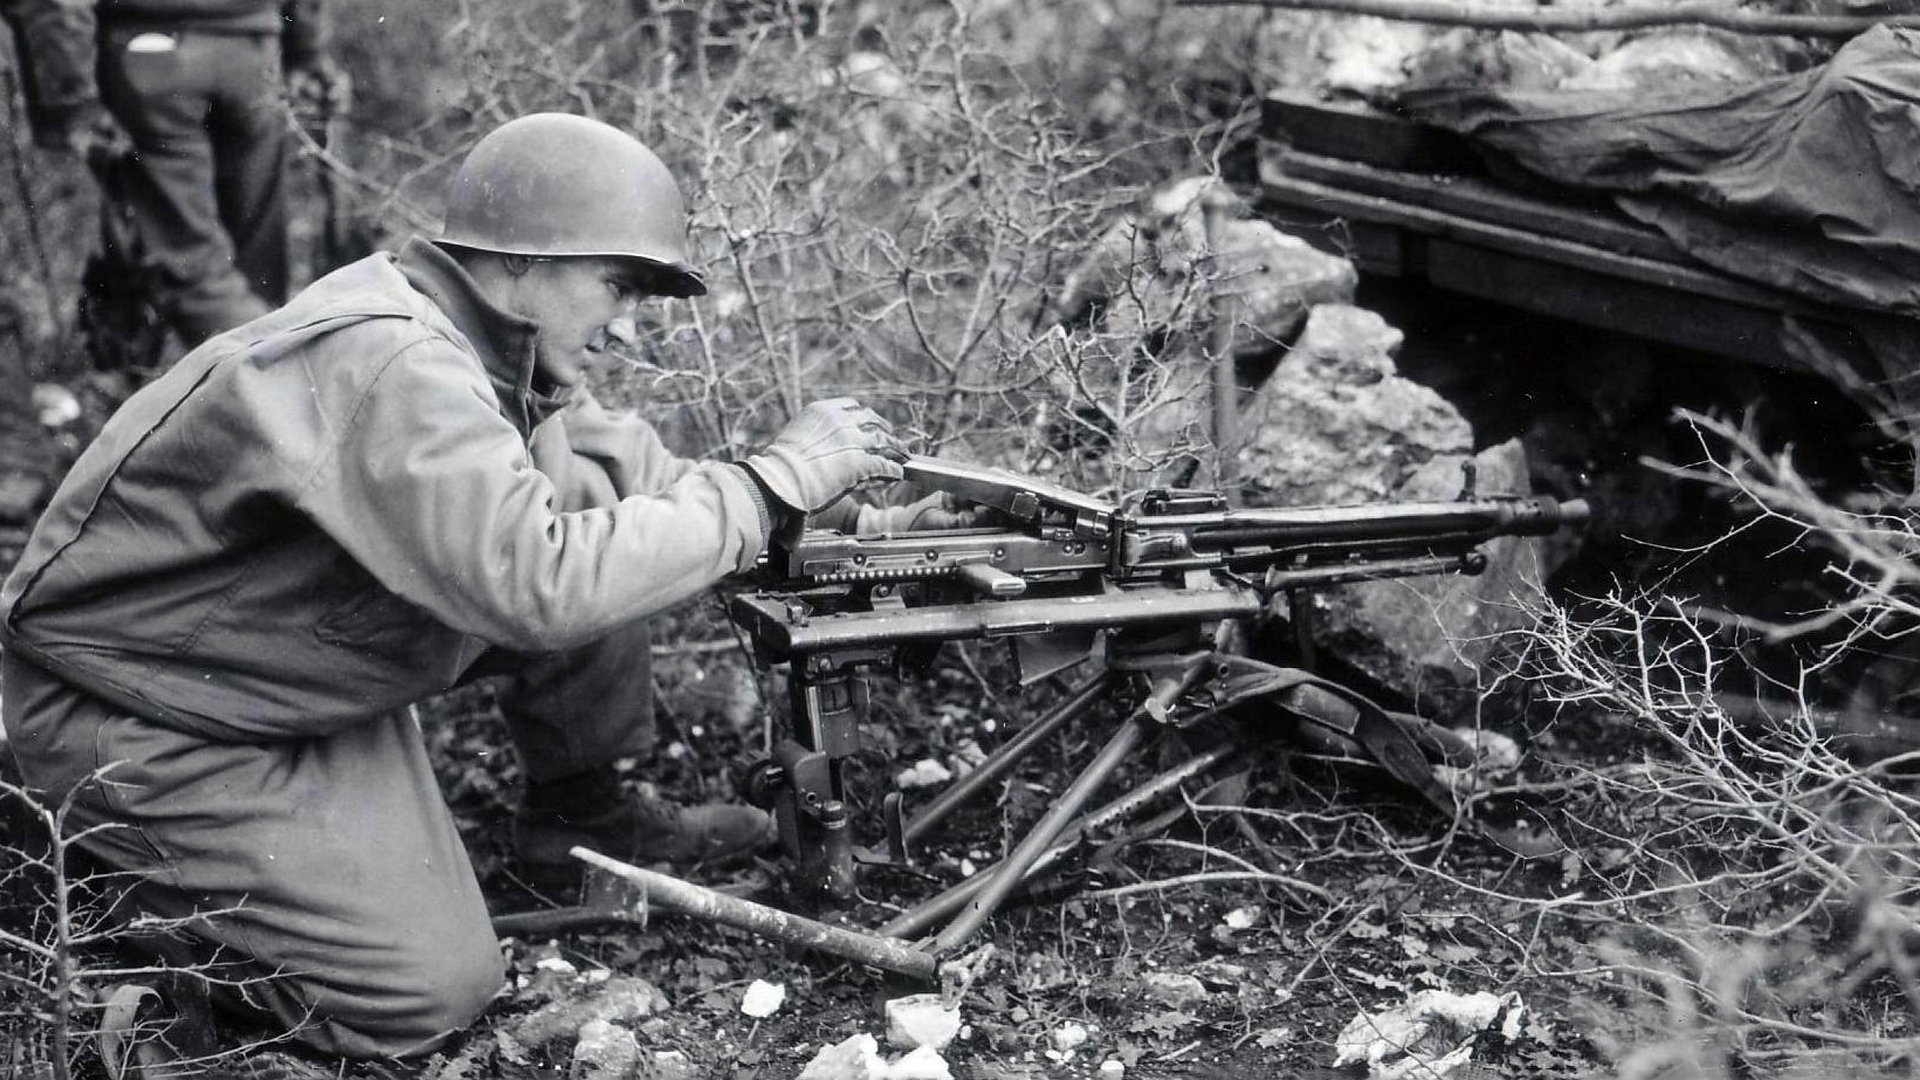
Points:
(1479, 199)
(1371, 247)
(1326, 201)
(1703, 323)
(1359, 132)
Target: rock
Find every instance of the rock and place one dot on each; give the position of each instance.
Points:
(605, 1051)
(856, 1057)
(1504, 58)
(1174, 989)
(1428, 638)
(1337, 425)
(672, 1065)
(1140, 277)
(1068, 1037)
(921, 1020)
(1431, 1035)
(922, 1063)
(762, 999)
(1364, 55)
(924, 773)
(1144, 300)
(54, 405)
(619, 1000)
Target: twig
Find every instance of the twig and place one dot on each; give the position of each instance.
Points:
(1165, 884)
(1580, 20)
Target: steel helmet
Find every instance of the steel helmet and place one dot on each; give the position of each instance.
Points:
(555, 184)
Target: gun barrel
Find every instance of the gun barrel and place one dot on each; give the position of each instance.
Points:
(1470, 521)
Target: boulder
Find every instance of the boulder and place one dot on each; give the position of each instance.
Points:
(1338, 425)
(1144, 301)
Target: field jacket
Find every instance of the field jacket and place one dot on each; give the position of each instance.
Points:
(330, 512)
(57, 42)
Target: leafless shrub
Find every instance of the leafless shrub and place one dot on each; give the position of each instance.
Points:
(1750, 873)
(61, 931)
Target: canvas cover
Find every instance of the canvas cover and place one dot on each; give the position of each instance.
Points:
(1806, 182)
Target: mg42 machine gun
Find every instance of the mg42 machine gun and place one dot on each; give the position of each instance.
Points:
(1150, 589)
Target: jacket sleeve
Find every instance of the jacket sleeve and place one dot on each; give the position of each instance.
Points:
(55, 40)
(627, 449)
(434, 493)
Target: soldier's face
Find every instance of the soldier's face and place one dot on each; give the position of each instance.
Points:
(584, 307)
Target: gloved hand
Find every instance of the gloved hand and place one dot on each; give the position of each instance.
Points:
(94, 136)
(937, 511)
(832, 447)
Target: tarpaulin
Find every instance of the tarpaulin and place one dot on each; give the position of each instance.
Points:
(1806, 182)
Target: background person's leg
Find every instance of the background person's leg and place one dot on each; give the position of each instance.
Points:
(159, 88)
(250, 157)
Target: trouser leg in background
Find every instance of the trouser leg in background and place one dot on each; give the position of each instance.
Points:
(203, 111)
(574, 711)
(332, 862)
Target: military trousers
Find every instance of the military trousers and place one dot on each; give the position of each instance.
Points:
(322, 878)
(204, 203)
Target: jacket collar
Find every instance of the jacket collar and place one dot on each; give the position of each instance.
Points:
(503, 340)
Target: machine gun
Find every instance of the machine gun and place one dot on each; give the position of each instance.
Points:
(1151, 588)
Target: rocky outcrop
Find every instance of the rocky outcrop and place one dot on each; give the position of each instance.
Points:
(1337, 424)
(1147, 297)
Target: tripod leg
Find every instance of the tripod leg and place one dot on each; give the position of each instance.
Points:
(1035, 844)
(914, 921)
(1084, 697)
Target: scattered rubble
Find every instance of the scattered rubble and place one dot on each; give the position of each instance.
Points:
(1431, 1035)
(858, 1058)
(921, 1020)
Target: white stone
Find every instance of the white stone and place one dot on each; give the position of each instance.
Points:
(1431, 1034)
(55, 405)
(922, 1063)
(925, 773)
(605, 1051)
(763, 999)
(921, 1020)
(856, 1057)
(1069, 1036)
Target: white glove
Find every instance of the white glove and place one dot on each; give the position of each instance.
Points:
(832, 447)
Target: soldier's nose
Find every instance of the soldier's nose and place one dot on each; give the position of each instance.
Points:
(623, 331)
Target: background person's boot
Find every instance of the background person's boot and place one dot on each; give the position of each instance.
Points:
(593, 810)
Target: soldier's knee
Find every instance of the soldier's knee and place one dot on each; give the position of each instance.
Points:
(409, 1005)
